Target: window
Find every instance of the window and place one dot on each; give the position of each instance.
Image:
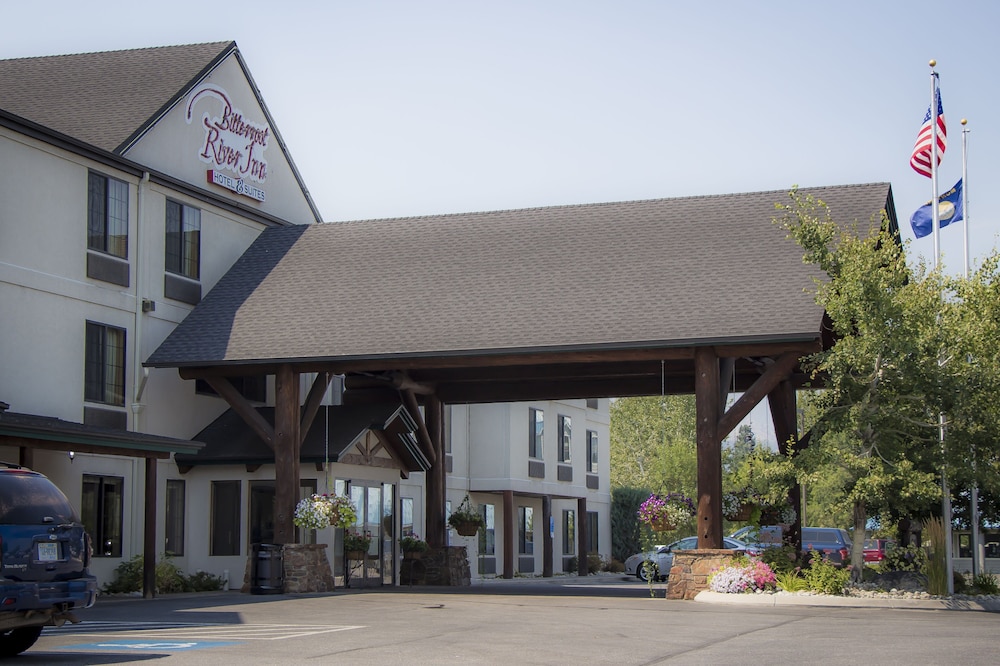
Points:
(104, 371)
(107, 215)
(592, 452)
(565, 435)
(487, 537)
(101, 512)
(173, 543)
(569, 532)
(536, 432)
(183, 247)
(406, 516)
(526, 531)
(225, 518)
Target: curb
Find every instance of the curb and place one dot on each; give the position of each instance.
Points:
(774, 600)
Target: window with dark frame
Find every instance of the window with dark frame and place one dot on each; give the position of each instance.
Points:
(536, 432)
(487, 537)
(107, 215)
(569, 532)
(173, 528)
(592, 452)
(225, 518)
(593, 542)
(183, 241)
(101, 509)
(104, 364)
(565, 438)
(526, 531)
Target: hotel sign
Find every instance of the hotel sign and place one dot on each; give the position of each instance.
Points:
(233, 146)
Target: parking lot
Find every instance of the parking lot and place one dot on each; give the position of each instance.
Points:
(594, 620)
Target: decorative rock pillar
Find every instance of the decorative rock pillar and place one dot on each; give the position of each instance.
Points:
(690, 569)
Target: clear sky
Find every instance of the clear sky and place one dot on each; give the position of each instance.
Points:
(399, 108)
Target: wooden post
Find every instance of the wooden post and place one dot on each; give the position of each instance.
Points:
(286, 453)
(706, 386)
(509, 533)
(781, 401)
(435, 477)
(546, 537)
(149, 533)
(582, 531)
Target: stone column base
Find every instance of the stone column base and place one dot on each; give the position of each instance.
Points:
(690, 569)
(305, 567)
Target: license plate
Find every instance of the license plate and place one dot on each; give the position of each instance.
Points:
(48, 551)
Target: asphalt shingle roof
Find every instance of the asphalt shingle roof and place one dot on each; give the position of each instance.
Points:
(686, 271)
(103, 98)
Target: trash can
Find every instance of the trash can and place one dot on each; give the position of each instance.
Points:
(266, 569)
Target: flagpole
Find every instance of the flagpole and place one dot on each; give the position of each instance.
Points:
(935, 216)
(936, 221)
(974, 493)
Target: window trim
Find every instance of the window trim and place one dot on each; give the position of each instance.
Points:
(592, 455)
(536, 435)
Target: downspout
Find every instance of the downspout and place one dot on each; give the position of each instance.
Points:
(140, 374)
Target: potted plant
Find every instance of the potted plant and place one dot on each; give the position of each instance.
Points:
(356, 545)
(318, 511)
(466, 519)
(665, 512)
(413, 547)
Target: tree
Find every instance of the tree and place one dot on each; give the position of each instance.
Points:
(653, 443)
(882, 381)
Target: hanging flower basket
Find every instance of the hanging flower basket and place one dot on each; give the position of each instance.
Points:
(663, 513)
(466, 519)
(662, 525)
(738, 506)
(355, 554)
(318, 511)
(413, 547)
(412, 555)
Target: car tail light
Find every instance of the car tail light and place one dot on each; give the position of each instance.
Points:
(845, 555)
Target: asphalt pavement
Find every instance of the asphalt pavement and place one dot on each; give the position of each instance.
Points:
(563, 620)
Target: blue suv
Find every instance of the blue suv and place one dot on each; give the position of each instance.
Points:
(44, 559)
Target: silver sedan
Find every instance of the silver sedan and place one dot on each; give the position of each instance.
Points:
(661, 558)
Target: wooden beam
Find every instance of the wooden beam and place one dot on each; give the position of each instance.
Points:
(286, 453)
(410, 402)
(778, 371)
(149, 533)
(546, 537)
(509, 533)
(436, 477)
(313, 402)
(781, 401)
(242, 406)
(709, 444)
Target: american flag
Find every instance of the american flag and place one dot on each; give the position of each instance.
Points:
(920, 160)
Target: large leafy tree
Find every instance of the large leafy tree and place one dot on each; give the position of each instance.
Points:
(876, 430)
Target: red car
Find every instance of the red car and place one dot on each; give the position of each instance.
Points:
(875, 549)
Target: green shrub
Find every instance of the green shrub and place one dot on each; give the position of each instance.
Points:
(614, 566)
(791, 581)
(169, 578)
(781, 559)
(594, 563)
(984, 583)
(911, 558)
(825, 577)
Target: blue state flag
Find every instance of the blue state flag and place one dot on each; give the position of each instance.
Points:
(949, 210)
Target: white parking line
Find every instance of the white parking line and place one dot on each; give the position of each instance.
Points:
(160, 631)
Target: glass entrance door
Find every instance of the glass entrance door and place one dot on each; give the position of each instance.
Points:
(374, 504)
